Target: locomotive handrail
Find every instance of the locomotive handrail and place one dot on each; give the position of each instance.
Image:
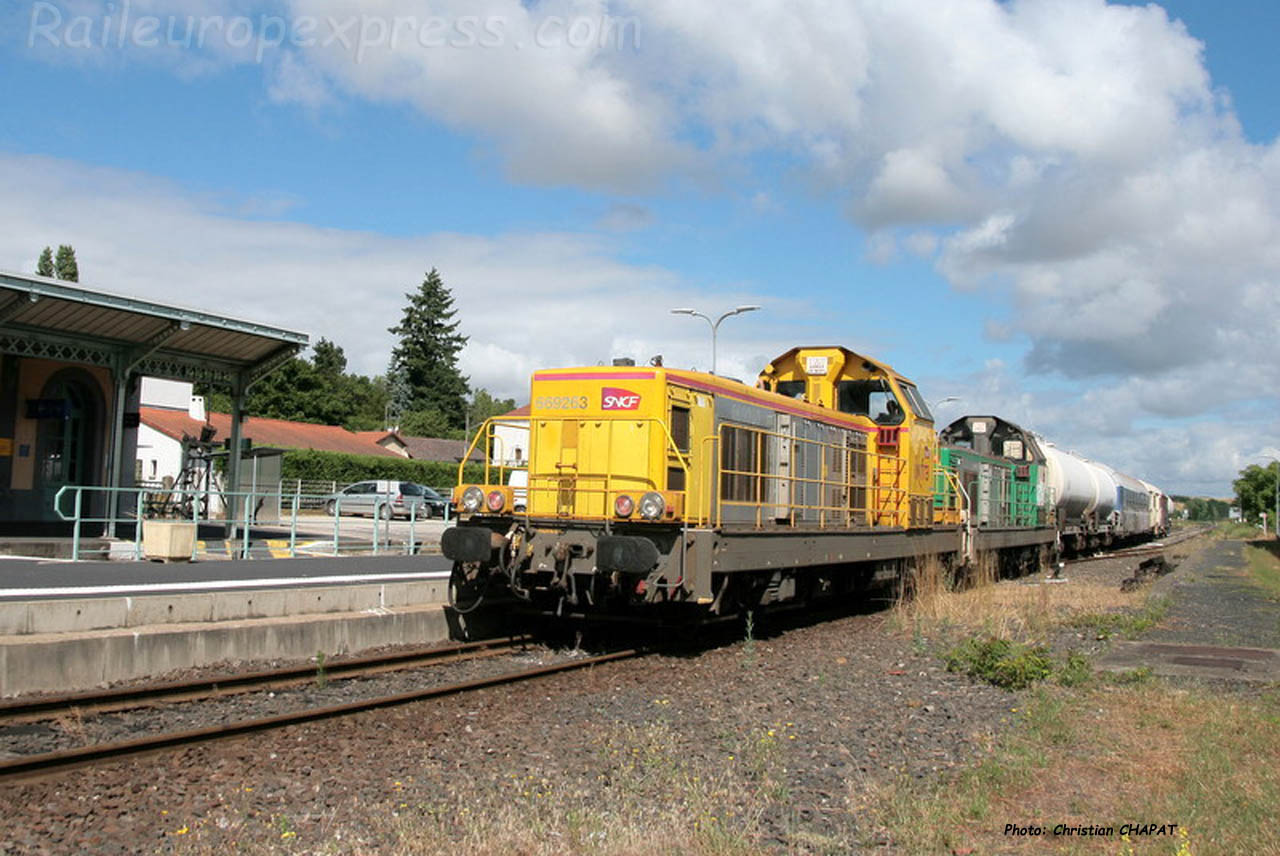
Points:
(541, 482)
(486, 430)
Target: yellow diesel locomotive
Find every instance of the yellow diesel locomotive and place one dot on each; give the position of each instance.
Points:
(651, 487)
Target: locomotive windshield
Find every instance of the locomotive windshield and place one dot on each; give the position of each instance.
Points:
(791, 388)
(871, 398)
(918, 405)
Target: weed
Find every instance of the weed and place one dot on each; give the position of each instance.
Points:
(72, 724)
(322, 676)
(1264, 567)
(1012, 665)
(1127, 625)
(749, 645)
(1129, 677)
(1075, 671)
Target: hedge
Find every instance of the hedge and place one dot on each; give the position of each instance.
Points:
(312, 465)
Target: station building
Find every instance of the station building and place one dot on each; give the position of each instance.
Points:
(71, 360)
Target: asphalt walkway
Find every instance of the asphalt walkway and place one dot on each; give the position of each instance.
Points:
(1221, 623)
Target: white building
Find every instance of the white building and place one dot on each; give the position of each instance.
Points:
(160, 454)
(511, 439)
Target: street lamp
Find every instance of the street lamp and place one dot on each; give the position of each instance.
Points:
(947, 400)
(715, 325)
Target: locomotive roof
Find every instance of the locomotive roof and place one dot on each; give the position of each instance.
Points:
(884, 367)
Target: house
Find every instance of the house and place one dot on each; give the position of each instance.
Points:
(389, 440)
(171, 417)
(511, 439)
(436, 449)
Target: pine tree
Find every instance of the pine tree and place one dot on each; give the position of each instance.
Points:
(44, 267)
(65, 264)
(426, 358)
(328, 358)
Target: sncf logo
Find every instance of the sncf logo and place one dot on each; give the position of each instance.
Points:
(612, 398)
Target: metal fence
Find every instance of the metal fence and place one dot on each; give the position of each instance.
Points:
(278, 522)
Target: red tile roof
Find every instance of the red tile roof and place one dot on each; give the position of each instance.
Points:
(518, 413)
(266, 432)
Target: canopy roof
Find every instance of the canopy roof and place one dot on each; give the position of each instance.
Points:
(50, 318)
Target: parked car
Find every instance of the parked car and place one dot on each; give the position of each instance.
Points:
(436, 504)
(386, 499)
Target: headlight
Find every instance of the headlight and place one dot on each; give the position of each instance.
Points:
(472, 499)
(623, 505)
(652, 506)
(496, 500)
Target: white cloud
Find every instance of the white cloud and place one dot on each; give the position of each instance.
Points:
(1068, 155)
(527, 300)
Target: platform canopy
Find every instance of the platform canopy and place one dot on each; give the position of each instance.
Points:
(53, 319)
(65, 322)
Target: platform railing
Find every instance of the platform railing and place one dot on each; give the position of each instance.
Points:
(258, 529)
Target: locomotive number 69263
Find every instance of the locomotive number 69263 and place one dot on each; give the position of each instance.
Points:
(561, 402)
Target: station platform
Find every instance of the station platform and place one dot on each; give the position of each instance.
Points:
(77, 625)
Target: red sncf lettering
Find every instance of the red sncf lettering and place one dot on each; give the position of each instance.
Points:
(612, 398)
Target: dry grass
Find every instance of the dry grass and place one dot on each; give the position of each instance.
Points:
(1009, 609)
(71, 723)
(648, 798)
(1145, 752)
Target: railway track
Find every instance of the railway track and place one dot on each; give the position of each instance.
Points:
(144, 695)
(1143, 549)
(68, 759)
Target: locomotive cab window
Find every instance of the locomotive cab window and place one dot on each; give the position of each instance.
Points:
(791, 388)
(918, 405)
(872, 398)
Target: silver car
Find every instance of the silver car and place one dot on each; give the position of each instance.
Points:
(385, 499)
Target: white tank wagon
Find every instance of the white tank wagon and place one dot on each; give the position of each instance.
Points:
(1085, 491)
(1097, 505)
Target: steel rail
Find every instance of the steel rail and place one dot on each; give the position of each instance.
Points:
(1139, 550)
(65, 759)
(123, 698)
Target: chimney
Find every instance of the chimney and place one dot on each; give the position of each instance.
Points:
(195, 409)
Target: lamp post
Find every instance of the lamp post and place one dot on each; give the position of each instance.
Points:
(715, 325)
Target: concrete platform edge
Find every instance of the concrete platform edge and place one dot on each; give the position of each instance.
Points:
(73, 615)
(77, 661)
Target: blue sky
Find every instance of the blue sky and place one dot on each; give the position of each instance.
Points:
(1057, 211)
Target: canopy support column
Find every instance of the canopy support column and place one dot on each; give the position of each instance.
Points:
(238, 393)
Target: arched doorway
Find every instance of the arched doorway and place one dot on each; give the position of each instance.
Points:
(69, 436)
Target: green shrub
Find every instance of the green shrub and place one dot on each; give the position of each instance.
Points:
(1012, 665)
(343, 468)
(1075, 671)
